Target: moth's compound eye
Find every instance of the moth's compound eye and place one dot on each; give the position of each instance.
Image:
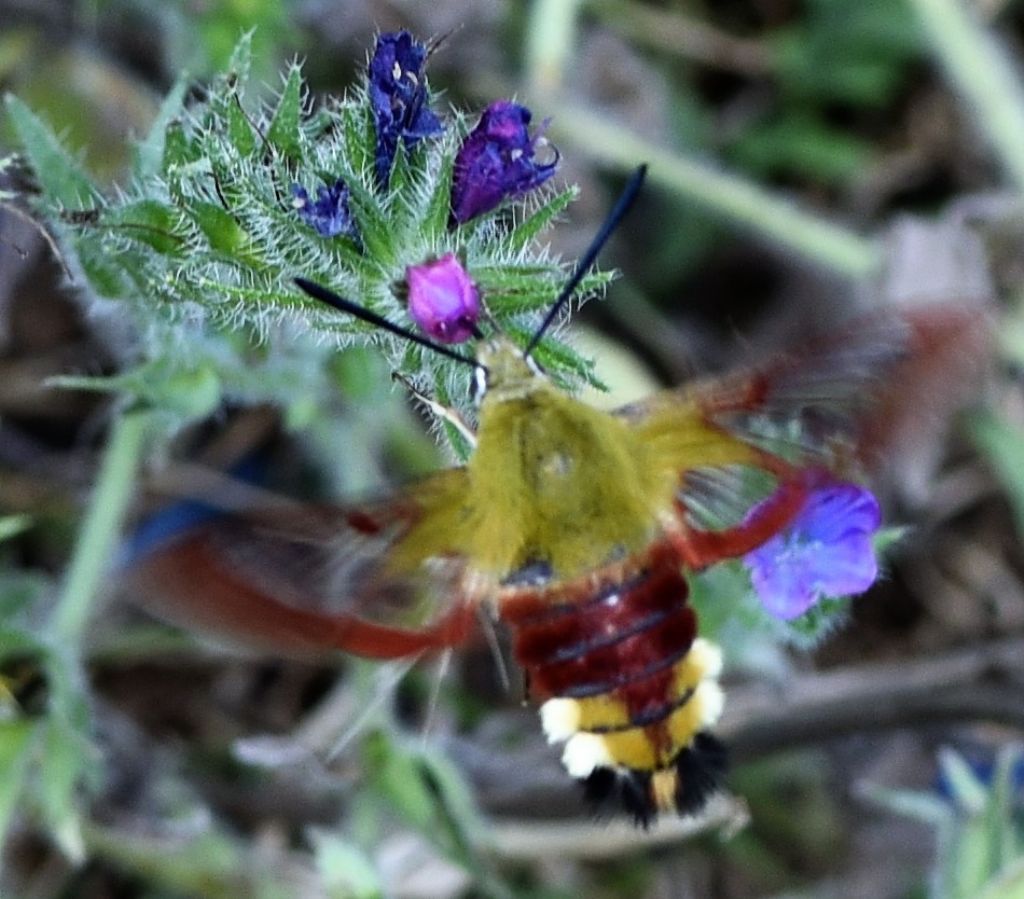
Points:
(479, 384)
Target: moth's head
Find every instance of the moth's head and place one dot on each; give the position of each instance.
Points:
(503, 369)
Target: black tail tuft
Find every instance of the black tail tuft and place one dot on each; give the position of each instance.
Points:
(608, 792)
(701, 768)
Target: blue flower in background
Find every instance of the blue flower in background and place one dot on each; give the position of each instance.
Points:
(329, 214)
(826, 552)
(497, 161)
(398, 95)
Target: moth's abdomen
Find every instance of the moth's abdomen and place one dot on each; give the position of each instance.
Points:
(625, 683)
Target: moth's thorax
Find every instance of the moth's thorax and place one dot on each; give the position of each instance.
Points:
(556, 483)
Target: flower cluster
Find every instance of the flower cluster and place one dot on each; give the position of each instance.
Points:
(826, 552)
(497, 161)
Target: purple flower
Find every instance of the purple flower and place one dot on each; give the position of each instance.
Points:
(398, 95)
(496, 162)
(827, 551)
(329, 214)
(443, 300)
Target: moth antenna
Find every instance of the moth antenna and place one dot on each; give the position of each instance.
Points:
(361, 312)
(611, 222)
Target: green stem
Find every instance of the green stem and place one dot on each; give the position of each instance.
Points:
(722, 193)
(683, 35)
(101, 526)
(550, 34)
(979, 69)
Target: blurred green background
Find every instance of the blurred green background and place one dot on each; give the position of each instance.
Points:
(808, 160)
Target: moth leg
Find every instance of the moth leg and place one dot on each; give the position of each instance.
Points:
(449, 415)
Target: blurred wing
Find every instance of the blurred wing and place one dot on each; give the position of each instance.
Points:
(749, 446)
(385, 579)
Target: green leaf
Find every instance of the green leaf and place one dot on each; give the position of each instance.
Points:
(240, 63)
(60, 177)
(150, 221)
(528, 229)
(1002, 443)
(18, 591)
(397, 777)
(16, 746)
(12, 525)
(103, 272)
(968, 865)
(376, 231)
(801, 144)
(65, 752)
(149, 153)
(219, 227)
(401, 172)
(16, 641)
(999, 813)
(67, 756)
(459, 812)
(511, 279)
(359, 137)
(968, 792)
(7, 162)
(178, 149)
(283, 132)
(240, 131)
(345, 868)
(1008, 884)
(435, 222)
(924, 807)
(192, 393)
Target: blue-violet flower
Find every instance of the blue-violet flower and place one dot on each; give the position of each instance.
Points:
(398, 95)
(826, 551)
(329, 214)
(443, 300)
(497, 161)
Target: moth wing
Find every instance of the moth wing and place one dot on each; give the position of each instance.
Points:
(747, 446)
(385, 579)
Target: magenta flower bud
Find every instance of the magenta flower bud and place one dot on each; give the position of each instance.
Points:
(443, 300)
(826, 552)
(497, 161)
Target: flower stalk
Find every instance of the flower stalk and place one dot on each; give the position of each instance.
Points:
(101, 527)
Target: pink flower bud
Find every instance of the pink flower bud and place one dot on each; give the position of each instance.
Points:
(443, 300)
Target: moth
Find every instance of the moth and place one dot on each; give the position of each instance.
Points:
(577, 530)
